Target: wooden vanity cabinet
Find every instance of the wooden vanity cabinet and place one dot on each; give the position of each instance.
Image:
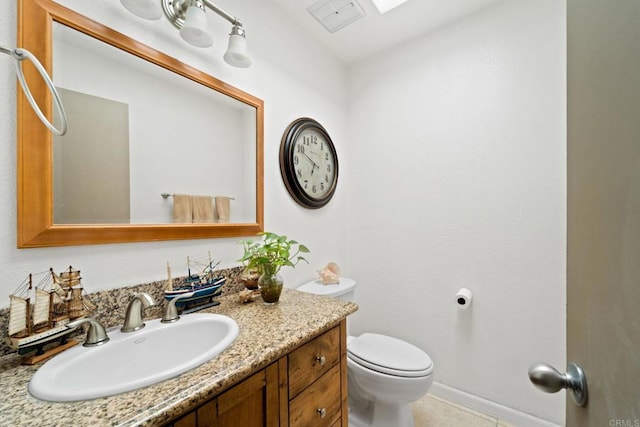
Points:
(252, 403)
(305, 388)
(314, 381)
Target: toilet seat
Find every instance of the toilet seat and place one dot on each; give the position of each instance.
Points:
(389, 356)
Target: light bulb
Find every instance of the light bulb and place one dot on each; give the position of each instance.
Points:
(236, 54)
(194, 31)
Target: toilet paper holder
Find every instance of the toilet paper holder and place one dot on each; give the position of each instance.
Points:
(464, 297)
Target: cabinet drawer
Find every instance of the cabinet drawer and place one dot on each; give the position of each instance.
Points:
(319, 404)
(309, 362)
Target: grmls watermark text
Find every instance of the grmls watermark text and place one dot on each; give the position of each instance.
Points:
(624, 423)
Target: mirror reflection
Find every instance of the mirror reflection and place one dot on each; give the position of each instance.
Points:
(136, 131)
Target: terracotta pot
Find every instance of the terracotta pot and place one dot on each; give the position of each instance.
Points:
(249, 278)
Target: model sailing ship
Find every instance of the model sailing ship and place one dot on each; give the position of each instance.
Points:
(39, 312)
(204, 285)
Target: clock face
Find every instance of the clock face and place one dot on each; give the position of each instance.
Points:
(314, 163)
(308, 163)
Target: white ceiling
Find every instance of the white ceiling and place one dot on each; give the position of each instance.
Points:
(375, 32)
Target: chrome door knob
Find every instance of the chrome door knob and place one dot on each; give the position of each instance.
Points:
(550, 380)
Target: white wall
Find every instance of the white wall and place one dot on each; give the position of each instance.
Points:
(278, 76)
(457, 179)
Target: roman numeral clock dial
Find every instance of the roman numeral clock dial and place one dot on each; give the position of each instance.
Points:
(308, 163)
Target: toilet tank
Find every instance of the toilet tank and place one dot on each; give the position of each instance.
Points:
(345, 290)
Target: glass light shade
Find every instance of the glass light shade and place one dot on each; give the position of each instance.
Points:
(236, 53)
(194, 31)
(147, 9)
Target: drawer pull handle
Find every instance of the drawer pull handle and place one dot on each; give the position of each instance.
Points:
(322, 412)
(321, 360)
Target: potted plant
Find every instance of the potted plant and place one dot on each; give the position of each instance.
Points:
(268, 256)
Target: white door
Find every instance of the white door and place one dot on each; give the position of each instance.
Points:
(603, 265)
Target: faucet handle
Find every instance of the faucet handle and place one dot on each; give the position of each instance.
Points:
(96, 335)
(170, 314)
(134, 314)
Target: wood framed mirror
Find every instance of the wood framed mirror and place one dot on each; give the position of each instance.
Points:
(37, 192)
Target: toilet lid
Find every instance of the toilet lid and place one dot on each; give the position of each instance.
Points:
(389, 355)
(316, 287)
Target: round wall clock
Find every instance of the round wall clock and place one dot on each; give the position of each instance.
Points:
(308, 163)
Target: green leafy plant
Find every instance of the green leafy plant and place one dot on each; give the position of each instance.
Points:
(272, 253)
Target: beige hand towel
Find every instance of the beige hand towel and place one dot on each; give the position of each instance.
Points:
(182, 209)
(223, 208)
(202, 209)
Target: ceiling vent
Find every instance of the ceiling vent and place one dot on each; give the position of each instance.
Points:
(336, 14)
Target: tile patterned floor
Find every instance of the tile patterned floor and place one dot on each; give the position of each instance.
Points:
(432, 411)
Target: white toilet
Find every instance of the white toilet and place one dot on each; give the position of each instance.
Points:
(385, 374)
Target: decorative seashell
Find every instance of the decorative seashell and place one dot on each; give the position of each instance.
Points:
(330, 274)
(333, 267)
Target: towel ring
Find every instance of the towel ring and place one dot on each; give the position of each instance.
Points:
(20, 55)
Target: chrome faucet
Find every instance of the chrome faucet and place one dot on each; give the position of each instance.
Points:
(96, 335)
(170, 314)
(134, 314)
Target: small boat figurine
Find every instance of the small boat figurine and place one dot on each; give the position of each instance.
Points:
(39, 312)
(204, 285)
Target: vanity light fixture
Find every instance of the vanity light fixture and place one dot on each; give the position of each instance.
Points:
(194, 27)
(236, 53)
(189, 16)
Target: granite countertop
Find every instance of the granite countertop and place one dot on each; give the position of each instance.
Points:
(266, 333)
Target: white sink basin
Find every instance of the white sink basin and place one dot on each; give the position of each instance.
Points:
(133, 360)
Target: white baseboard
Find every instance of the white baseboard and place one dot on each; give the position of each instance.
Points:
(493, 409)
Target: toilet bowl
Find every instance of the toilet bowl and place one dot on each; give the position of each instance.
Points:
(385, 374)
